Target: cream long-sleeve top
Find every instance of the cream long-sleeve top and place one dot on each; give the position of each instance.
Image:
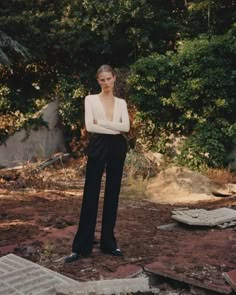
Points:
(95, 112)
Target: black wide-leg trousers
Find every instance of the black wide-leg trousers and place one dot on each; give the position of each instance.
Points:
(105, 152)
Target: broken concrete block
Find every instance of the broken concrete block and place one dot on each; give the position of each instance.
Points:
(167, 226)
(227, 224)
(202, 217)
(167, 270)
(105, 287)
(19, 276)
(230, 277)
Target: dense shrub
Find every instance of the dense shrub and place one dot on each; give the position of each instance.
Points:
(24, 89)
(208, 146)
(192, 93)
(71, 94)
(151, 83)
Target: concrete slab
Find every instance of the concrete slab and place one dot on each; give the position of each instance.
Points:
(227, 224)
(19, 276)
(106, 287)
(202, 217)
(230, 277)
(170, 271)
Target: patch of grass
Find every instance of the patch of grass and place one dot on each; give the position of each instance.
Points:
(138, 170)
(134, 187)
(47, 252)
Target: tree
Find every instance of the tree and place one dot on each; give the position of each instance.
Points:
(209, 17)
(72, 34)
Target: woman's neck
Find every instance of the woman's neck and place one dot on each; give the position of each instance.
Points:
(106, 95)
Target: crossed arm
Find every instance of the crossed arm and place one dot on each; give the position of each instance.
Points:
(105, 126)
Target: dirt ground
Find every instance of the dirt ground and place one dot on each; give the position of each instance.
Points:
(39, 224)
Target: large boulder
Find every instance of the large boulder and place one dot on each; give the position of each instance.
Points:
(180, 185)
(27, 145)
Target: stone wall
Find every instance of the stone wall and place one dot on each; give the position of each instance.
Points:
(22, 147)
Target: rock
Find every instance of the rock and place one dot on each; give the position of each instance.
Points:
(179, 185)
(22, 147)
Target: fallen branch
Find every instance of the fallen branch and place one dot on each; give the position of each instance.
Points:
(52, 160)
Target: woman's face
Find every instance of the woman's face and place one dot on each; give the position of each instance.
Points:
(106, 80)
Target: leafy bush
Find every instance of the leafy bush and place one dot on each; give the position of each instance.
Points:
(15, 121)
(205, 90)
(192, 93)
(71, 93)
(24, 89)
(207, 146)
(151, 82)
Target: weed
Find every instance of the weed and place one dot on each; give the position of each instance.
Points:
(221, 176)
(46, 252)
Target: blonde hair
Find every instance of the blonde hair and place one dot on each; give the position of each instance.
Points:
(105, 68)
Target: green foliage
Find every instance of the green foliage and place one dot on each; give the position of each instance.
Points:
(151, 76)
(205, 90)
(80, 34)
(72, 38)
(10, 47)
(65, 41)
(208, 146)
(15, 121)
(131, 28)
(22, 85)
(210, 17)
(24, 89)
(71, 94)
(192, 93)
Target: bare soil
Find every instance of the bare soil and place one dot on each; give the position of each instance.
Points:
(39, 224)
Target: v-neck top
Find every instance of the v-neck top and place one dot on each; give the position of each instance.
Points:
(94, 111)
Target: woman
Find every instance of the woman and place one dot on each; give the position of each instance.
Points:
(106, 117)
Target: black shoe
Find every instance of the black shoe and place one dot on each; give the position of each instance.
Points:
(116, 252)
(71, 258)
